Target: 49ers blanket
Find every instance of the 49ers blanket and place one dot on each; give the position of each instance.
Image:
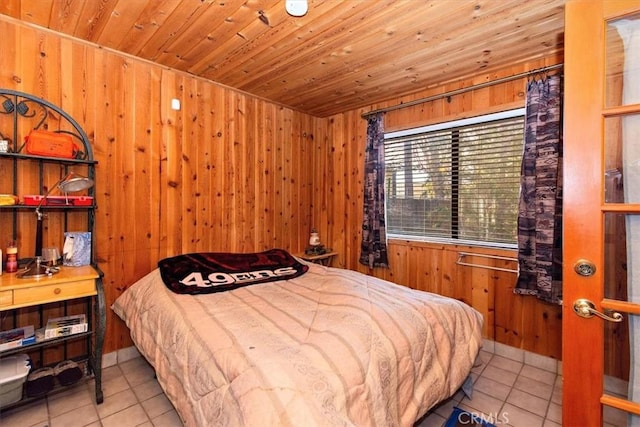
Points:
(207, 272)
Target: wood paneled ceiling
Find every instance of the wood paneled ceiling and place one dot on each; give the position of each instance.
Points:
(342, 55)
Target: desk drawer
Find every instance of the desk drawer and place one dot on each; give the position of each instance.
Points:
(6, 298)
(47, 293)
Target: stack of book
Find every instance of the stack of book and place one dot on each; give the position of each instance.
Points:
(67, 325)
(17, 337)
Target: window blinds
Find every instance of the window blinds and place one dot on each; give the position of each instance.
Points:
(456, 181)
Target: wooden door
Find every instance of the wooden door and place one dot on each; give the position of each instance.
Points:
(601, 206)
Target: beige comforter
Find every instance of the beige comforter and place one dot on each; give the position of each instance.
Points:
(332, 347)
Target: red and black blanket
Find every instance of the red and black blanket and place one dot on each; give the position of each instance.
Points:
(207, 272)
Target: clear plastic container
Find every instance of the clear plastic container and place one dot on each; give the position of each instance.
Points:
(13, 374)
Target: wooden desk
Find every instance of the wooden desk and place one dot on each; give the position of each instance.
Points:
(322, 259)
(69, 283)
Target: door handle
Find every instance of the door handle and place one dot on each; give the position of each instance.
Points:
(585, 308)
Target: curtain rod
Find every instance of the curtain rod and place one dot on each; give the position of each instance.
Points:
(459, 91)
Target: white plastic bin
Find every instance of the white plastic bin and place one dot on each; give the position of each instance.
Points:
(13, 374)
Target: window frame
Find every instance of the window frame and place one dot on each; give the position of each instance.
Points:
(452, 124)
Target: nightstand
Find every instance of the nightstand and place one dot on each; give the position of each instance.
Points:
(68, 284)
(322, 259)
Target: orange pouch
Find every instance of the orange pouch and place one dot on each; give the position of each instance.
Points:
(51, 144)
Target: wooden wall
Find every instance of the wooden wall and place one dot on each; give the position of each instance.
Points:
(230, 172)
(518, 321)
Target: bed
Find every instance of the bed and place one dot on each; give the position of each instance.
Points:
(326, 347)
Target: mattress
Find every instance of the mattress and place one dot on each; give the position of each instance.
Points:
(332, 347)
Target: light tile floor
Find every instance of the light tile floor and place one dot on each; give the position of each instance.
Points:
(132, 397)
(507, 392)
(511, 388)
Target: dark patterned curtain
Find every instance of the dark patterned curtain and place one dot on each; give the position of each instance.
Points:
(540, 209)
(374, 236)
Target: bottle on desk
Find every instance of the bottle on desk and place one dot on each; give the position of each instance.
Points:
(12, 257)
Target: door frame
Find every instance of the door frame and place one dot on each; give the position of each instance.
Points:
(584, 207)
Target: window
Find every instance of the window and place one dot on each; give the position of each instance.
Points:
(456, 181)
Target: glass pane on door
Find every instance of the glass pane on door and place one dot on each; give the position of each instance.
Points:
(617, 374)
(622, 283)
(622, 60)
(622, 159)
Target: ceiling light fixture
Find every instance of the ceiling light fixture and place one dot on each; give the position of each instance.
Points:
(296, 7)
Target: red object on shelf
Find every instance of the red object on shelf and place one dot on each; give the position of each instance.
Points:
(34, 200)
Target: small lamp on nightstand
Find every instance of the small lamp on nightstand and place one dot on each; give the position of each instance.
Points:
(315, 247)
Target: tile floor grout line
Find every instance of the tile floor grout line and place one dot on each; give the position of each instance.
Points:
(504, 401)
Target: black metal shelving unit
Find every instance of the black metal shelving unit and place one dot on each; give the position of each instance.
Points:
(26, 111)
